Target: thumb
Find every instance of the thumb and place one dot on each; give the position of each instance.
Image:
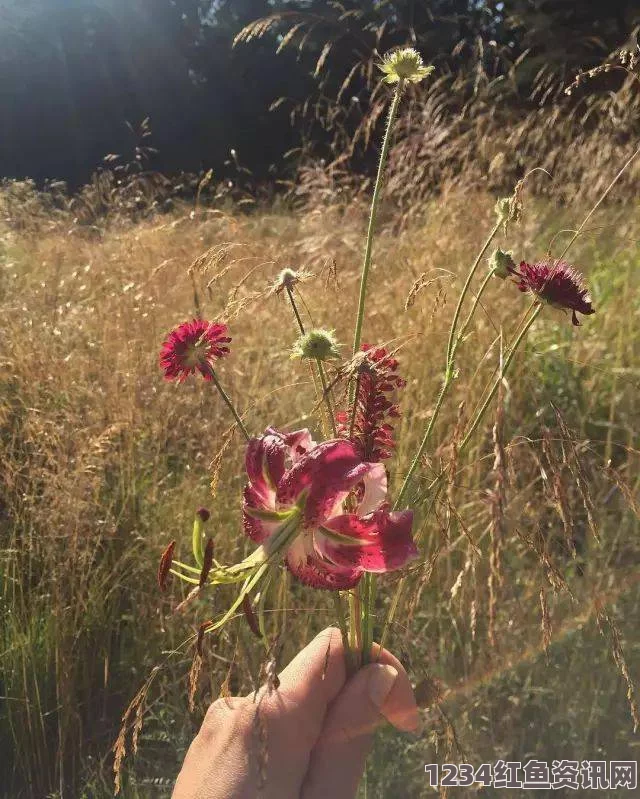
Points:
(338, 758)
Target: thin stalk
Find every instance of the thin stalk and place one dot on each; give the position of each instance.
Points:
(295, 310)
(516, 344)
(326, 394)
(495, 386)
(465, 289)
(301, 328)
(355, 625)
(228, 403)
(369, 601)
(470, 315)
(346, 645)
(393, 111)
(354, 412)
(452, 347)
(425, 440)
(599, 202)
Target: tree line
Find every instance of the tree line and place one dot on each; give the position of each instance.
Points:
(77, 77)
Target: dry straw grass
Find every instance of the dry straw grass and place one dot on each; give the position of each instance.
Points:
(104, 464)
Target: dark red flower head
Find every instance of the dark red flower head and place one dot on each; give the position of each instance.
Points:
(193, 345)
(378, 381)
(557, 284)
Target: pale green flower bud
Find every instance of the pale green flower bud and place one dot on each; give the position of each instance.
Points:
(501, 264)
(404, 64)
(319, 345)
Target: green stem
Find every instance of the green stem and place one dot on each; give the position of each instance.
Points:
(393, 111)
(425, 439)
(368, 595)
(326, 393)
(301, 327)
(496, 385)
(342, 623)
(452, 347)
(295, 310)
(355, 625)
(467, 321)
(228, 403)
(465, 289)
(369, 581)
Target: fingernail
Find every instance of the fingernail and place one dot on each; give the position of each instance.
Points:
(381, 680)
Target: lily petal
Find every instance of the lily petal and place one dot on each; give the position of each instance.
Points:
(312, 570)
(324, 477)
(375, 489)
(265, 464)
(256, 526)
(299, 443)
(380, 542)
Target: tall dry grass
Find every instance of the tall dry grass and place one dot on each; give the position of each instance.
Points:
(103, 463)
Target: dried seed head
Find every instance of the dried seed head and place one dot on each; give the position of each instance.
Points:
(318, 345)
(404, 64)
(501, 264)
(165, 565)
(502, 209)
(287, 279)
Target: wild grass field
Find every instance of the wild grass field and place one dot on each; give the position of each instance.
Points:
(519, 623)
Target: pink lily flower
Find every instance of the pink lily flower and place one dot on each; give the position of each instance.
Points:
(323, 509)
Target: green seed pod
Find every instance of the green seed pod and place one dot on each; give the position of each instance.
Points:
(319, 345)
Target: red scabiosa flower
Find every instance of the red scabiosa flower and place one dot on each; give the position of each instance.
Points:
(193, 345)
(323, 508)
(557, 284)
(377, 381)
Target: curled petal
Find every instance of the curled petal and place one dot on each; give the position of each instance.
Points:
(311, 569)
(265, 464)
(299, 443)
(375, 489)
(258, 518)
(380, 542)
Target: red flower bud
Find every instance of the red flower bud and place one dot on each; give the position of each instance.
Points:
(165, 565)
(206, 563)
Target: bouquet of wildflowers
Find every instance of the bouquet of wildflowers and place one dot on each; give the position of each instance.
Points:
(319, 503)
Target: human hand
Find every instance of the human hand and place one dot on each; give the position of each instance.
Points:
(307, 740)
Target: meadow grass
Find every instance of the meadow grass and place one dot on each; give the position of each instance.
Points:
(103, 463)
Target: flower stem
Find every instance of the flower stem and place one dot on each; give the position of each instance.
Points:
(295, 310)
(452, 347)
(393, 111)
(369, 586)
(425, 439)
(326, 394)
(474, 425)
(465, 289)
(340, 613)
(228, 403)
(301, 328)
(498, 380)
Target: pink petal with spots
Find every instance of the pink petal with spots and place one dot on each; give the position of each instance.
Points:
(380, 542)
(265, 464)
(258, 529)
(324, 478)
(312, 570)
